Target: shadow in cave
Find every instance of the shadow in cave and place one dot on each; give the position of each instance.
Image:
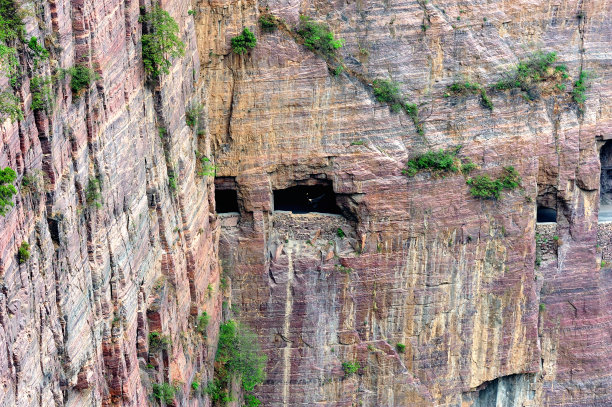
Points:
(226, 200)
(545, 215)
(306, 198)
(605, 183)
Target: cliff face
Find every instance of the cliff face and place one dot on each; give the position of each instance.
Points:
(489, 311)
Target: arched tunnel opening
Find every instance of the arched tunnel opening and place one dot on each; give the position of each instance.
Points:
(605, 182)
(545, 215)
(226, 195)
(319, 197)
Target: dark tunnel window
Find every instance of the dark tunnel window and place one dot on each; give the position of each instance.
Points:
(226, 200)
(306, 198)
(545, 214)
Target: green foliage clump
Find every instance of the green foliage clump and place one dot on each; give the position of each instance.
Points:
(172, 185)
(93, 194)
(42, 93)
(350, 368)
(464, 87)
(340, 233)
(195, 385)
(164, 392)
(159, 341)
(251, 401)
(238, 355)
(241, 44)
(484, 187)
(386, 91)
(40, 53)
(161, 42)
(23, 253)
(343, 269)
(203, 320)
(10, 107)
(467, 167)
(528, 73)
(192, 114)
(81, 77)
(413, 111)
(401, 348)
(318, 37)
(485, 101)
(9, 63)
(268, 23)
(436, 161)
(11, 24)
(7, 189)
(580, 88)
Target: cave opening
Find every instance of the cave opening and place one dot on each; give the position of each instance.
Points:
(300, 199)
(226, 195)
(605, 182)
(545, 215)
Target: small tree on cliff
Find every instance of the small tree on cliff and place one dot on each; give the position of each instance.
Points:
(161, 42)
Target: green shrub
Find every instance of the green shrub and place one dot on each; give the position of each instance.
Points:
(164, 392)
(528, 73)
(7, 189)
(9, 63)
(195, 385)
(251, 401)
(467, 167)
(268, 23)
(23, 253)
(93, 194)
(192, 114)
(350, 368)
(318, 37)
(413, 111)
(161, 42)
(10, 107)
(464, 87)
(203, 320)
(484, 187)
(11, 24)
(244, 42)
(42, 93)
(81, 77)
(40, 53)
(436, 161)
(340, 233)
(401, 348)
(485, 101)
(386, 91)
(338, 70)
(172, 185)
(159, 341)
(238, 355)
(343, 269)
(580, 88)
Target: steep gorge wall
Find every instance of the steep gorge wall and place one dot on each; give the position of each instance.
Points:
(451, 277)
(75, 318)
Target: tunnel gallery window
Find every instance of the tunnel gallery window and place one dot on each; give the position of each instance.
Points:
(605, 181)
(545, 215)
(226, 195)
(307, 197)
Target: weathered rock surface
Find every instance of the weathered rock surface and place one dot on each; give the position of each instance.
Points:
(489, 313)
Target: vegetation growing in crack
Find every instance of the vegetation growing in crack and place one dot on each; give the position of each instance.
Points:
(42, 93)
(23, 253)
(238, 357)
(10, 107)
(268, 23)
(93, 195)
(386, 91)
(164, 392)
(484, 187)
(318, 37)
(7, 190)
(244, 42)
(463, 88)
(350, 368)
(580, 88)
(160, 43)
(159, 341)
(81, 77)
(202, 323)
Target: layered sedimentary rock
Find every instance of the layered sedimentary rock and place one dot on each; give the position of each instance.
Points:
(489, 312)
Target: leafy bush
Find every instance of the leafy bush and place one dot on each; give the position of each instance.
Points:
(401, 348)
(81, 77)
(526, 75)
(164, 392)
(10, 106)
(172, 185)
(7, 189)
(192, 114)
(92, 194)
(11, 24)
(40, 53)
(268, 23)
(386, 91)
(464, 87)
(241, 44)
(203, 320)
(318, 37)
(195, 385)
(161, 42)
(436, 161)
(484, 100)
(580, 88)
(343, 269)
(159, 341)
(484, 187)
(340, 233)
(350, 368)
(238, 355)
(251, 401)
(23, 253)
(9, 63)
(42, 93)
(413, 111)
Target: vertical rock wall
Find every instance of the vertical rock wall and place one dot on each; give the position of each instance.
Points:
(75, 318)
